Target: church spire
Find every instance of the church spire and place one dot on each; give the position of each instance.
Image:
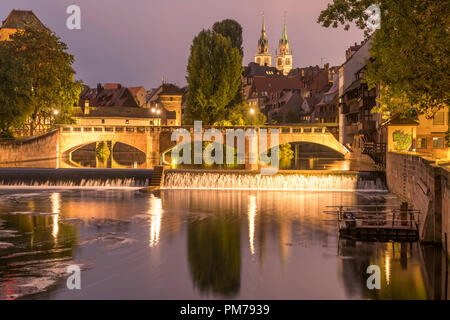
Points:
(263, 43)
(263, 57)
(284, 37)
(284, 56)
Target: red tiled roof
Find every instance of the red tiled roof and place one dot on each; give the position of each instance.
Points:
(276, 84)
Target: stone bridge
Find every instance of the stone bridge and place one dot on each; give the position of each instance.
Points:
(55, 148)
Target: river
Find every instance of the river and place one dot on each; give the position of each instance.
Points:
(200, 244)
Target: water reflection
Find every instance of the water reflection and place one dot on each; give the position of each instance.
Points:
(190, 244)
(55, 199)
(252, 208)
(155, 211)
(214, 255)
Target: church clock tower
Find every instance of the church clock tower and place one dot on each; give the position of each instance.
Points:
(284, 55)
(263, 57)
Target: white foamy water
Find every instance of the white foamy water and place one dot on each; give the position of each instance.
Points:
(83, 183)
(294, 182)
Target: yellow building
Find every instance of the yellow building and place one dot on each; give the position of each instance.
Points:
(115, 116)
(431, 135)
(19, 20)
(426, 137)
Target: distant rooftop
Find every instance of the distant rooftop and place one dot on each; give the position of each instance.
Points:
(20, 19)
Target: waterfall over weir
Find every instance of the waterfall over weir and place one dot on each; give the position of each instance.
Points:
(75, 178)
(364, 181)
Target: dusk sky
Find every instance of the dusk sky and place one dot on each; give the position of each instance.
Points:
(137, 42)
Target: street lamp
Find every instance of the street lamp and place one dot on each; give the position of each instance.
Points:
(252, 112)
(55, 112)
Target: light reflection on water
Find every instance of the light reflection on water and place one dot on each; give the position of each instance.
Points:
(191, 244)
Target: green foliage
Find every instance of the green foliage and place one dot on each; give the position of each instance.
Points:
(410, 51)
(103, 151)
(285, 152)
(49, 67)
(15, 90)
(214, 75)
(240, 115)
(232, 30)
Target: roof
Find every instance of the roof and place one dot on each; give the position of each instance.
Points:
(253, 70)
(355, 85)
(276, 84)
(397, 120)
(170, 89)
(111, 94)
(135, 90)
(20, 19)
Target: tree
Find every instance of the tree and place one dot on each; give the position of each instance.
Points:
(15, 89)
(410, 52)
(50, 68)
(232, 30)
(240, 115)
(214, 74)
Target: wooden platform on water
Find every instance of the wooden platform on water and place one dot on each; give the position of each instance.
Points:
(383, 223)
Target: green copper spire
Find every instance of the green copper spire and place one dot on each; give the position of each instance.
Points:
(263, 43)
(284, 38)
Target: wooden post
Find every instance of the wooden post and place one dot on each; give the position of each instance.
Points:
(404, 213)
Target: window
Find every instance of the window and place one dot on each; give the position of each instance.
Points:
(422, 143)
(438, 142)
(439, 119)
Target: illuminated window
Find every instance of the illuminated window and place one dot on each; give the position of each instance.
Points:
(421, 143)
(439, 119)
(438, 142)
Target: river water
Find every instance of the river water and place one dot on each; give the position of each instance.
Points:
(200, 244)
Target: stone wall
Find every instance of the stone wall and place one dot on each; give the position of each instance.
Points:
(427, 188)
(37, 152)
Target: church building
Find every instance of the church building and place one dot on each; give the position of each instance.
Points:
(283, 54)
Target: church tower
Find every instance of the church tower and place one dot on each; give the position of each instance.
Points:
(263, 57)
(284, 55)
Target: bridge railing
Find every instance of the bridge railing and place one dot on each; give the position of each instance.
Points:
(282, 129)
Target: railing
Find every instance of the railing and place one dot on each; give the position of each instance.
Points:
(388, 217)
(304, 128)
(377, 151)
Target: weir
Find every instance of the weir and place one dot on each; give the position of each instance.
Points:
(194, 179)
(72, 178)
(363, 181)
